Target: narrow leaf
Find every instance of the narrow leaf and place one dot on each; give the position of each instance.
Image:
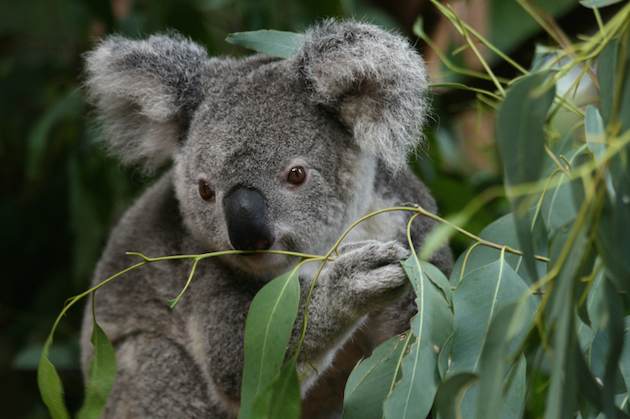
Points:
(414, 394)
(594, 4)
(521, 141)
(271, 42)
(595, 132)
(281, 399)
(450, 394)
(50, 386)
(102, 375)
(267, 332)
(369, 382)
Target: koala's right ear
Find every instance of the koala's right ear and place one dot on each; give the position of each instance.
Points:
(145, 93)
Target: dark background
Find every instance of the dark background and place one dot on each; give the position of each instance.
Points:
(60, 193)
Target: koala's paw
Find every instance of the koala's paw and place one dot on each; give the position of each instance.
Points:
(370, 271)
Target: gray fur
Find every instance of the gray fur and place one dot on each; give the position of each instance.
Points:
(246, 122)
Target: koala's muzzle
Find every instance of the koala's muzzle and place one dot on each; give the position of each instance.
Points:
(246, 216)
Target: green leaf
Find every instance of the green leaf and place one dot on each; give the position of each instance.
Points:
(501, 231)
(50, 386)
(439, 280)
(450, 393)
(625, 355)
(521, 142)
(514, 401)
(370, 381)
(413, 395)
(509, 322)
(560, 314)
(102, 375)
(281, 399)
(595, 132)
(606, 68)
(481, 294)
(439, 236)
(267, 331)
(271, 42)
(520, 135)
(594, 4)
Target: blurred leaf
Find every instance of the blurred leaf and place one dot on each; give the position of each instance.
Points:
(439, 236)
(270, 42)
(369, 383)
(70, 104)
(281, 399)
(514, 401)
(503, 232)
(521, 141)
(595, 132)
(510, 25)
(593, 4)
(267, 331)
(450, 393)
(562, 395)
(63, 355)
(101, 376)
(625, 355)
(50, 386)
(511, 320)
(558, 207)
(413, 395)
(615, 329)
(479, 296)
(606, 68)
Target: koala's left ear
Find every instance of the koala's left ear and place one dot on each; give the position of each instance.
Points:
(373, 79)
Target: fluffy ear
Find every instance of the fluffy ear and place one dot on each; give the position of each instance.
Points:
(145, 93)
(373, 79)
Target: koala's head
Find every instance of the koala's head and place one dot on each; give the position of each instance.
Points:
(268, 153)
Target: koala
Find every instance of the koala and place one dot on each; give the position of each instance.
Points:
(264, 153)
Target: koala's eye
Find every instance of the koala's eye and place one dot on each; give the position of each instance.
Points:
(205, 191)
(296, 175)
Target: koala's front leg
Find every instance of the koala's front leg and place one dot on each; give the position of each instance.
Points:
(365, 277)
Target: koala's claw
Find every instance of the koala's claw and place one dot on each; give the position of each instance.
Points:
(370, 271)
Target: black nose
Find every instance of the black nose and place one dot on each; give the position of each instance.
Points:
(246, 216)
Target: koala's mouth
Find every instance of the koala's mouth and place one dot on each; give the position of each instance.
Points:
(268, 262)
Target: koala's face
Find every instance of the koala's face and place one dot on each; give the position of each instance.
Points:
(264, 167)
(269, 153)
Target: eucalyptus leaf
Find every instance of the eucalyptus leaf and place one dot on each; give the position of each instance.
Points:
(481, 294)
(595, 132)
(413, 395)
(450, 394)
(370, 381)
(495, 364)
(270, 42)
(606, 69)
(281, 399)
(594, 4)
(267, 331)
(521, 142)
(562, 395)
(624, 362)
(50, 386)
(101, 376)
(503, 232)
